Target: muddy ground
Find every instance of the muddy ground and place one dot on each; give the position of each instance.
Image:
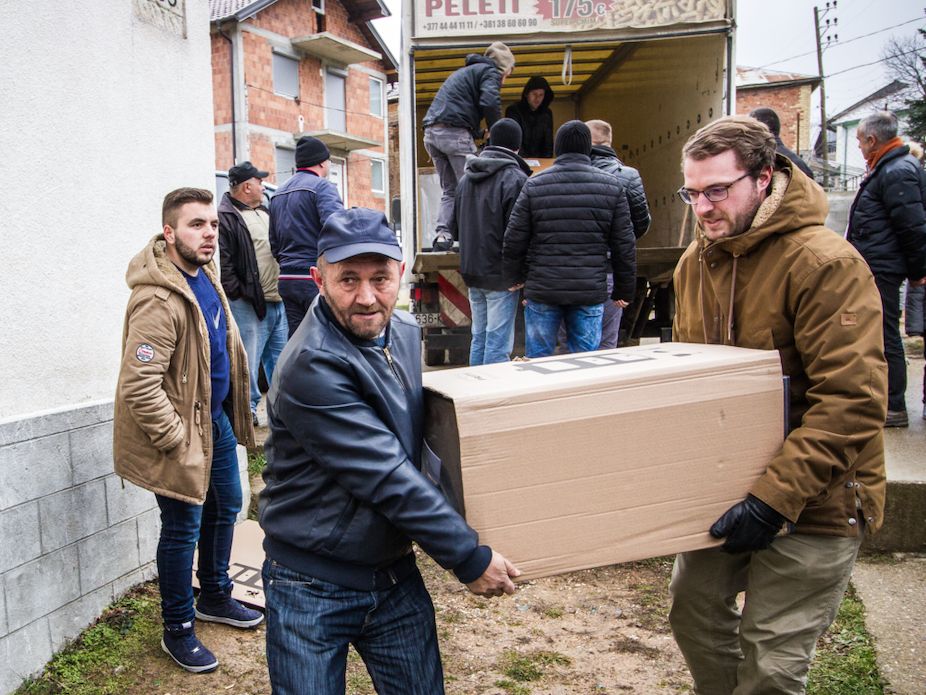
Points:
(595, 631)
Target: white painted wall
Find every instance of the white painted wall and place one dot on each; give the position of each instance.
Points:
(103, 112)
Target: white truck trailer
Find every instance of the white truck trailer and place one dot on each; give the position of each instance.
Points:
(656, 70)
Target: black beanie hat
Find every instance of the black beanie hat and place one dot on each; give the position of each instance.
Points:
(573, 136)
(506, 133)
(310, 151)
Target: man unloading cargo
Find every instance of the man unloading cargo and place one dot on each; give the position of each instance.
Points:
(765, 273)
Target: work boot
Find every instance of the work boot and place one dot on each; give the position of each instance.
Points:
(182, 645)
(224, 609)
(896, 418)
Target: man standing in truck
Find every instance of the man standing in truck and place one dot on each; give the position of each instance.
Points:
(454, 119)
(765, 273)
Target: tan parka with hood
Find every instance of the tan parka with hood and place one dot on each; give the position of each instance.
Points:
(790, 284)
(162, 428)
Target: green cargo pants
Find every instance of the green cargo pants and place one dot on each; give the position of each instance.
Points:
(793, 591)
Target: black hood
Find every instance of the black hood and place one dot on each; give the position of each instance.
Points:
(492, 160)
(537, 82)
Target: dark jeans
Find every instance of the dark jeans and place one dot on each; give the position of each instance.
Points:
(310, 624)
(889, 287)
(212, 525)
(297, 296)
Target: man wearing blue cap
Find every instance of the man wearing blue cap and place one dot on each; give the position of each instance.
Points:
(346, 494)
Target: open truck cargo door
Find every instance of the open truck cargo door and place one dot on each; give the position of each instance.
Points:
(655, 74)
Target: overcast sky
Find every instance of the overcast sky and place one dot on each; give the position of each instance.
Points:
(780, 36)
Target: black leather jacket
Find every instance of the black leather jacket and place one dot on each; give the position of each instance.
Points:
(345, 493)
(240, 274)
(887, 222)
(467, 96)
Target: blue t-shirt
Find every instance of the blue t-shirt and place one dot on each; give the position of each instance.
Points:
(211, 306)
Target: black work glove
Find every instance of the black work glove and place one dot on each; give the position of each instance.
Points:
(748, 525)
(442, 242)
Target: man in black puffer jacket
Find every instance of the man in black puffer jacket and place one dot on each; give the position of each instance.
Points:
(887, 224)
(453, 120)
(485, 197)
(565, 222)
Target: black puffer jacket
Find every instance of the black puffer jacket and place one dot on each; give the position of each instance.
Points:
(536, 126)
(606, 159)
(345, 493)
(565, 222)
(240, 275)
(467, 96)
(485, 198)
(887, 221)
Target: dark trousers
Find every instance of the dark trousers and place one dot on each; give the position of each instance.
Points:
(889, 287)
(297, 296)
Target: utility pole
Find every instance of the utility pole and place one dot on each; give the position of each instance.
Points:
(822, 42)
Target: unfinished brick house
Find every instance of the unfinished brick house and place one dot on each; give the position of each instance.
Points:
(282, 69)
(788, 93)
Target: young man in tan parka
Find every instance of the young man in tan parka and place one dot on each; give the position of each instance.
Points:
(765, 273)
(181, 407)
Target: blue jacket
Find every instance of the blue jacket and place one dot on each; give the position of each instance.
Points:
(298, 210)
(345, 492)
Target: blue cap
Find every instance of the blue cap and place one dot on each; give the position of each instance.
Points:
(354, 232)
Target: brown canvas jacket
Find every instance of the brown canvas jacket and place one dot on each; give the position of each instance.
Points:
(162, 430)
(790, 284)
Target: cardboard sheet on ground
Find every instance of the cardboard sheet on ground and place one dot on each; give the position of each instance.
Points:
(585, 460)
(247, 557)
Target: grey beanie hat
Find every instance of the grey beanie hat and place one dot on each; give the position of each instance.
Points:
(502, 55)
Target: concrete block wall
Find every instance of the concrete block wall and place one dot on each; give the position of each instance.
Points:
(73, 536)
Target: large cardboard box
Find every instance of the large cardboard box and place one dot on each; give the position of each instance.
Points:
(586, 460)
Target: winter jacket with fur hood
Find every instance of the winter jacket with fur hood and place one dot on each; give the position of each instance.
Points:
(790, 284)
(162, 433)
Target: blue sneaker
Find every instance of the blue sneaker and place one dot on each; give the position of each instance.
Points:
(225, 609)
(182, 645)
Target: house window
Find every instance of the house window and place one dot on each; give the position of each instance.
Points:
(285, 76)
(335, 101)
(377, 176)
(376, 97)
(285, 164)
(318, 6)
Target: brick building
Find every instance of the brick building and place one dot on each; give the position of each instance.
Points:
(282, 69)
(788, 93)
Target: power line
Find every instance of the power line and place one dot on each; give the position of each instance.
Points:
(842, 43)
(882, 60)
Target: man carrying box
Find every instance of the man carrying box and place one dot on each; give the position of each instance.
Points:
(765, 273)
(346, 491)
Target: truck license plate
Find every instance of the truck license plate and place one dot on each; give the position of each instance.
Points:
(428, 319)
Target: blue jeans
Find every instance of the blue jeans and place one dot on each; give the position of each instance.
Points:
(212, 525)
(298, 296)
(493, 313)
(263, 340)
(449, 148)
(542, 321)
(310, 624)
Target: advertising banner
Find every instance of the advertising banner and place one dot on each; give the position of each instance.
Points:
(448, 18)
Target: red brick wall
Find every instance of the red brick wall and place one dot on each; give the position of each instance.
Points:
(395, 188)
(221, 81)
(787, 102)
(291, 18)
(223, 151)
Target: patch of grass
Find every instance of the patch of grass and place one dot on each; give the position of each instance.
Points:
(256, 463)
(530, 666)
(99, 661)
(845, 661)
(553, 612)
(626, 645)
(512, 687)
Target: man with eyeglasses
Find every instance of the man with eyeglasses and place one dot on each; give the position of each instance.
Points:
(765, 273)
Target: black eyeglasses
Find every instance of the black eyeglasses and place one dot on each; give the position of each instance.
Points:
(714, 194)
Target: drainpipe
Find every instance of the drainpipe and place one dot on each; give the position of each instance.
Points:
(231, 81)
